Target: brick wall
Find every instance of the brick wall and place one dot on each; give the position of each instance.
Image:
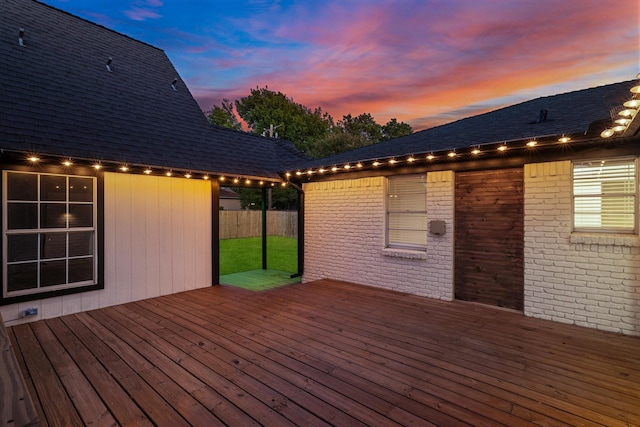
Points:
(585, 279)
(345, 237)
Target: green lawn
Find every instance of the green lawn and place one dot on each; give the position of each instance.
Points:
(238, 255)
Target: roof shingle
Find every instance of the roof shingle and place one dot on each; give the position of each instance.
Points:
(59, 98)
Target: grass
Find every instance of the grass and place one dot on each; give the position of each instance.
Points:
(237, 255)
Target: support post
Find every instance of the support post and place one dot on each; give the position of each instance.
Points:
(264, 228)
(215, 232)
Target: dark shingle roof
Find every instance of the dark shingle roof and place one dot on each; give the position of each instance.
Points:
(58, 98)
(567, 113)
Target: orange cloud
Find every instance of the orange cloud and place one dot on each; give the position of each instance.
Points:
(424, 62)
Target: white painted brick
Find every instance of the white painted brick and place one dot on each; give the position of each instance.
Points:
(592, 275)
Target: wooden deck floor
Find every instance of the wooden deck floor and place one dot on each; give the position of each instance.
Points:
(324, 353)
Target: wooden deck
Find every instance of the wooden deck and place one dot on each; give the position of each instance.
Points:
(324, 353)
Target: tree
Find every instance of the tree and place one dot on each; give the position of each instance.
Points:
(282, 198)
(336, 142)
(394, 129)
(296, 123)
(364, 126)
(224, 116)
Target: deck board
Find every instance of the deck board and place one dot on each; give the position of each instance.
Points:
(324, 353)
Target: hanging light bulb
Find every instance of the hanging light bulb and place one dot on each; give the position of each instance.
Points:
(606, 133)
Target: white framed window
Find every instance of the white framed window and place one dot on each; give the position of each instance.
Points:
(406, 223)
(605, 195)
(49, 232)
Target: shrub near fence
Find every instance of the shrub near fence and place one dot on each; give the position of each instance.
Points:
(239, 224)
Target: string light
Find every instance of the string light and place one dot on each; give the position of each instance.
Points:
(236, 180)
(169, 173)
(475, 151)
(607, 133)
(67, 163)
(33, 159)
(148, 171)
(187, 175)
(124, 168)
(322, 170)
(564, 139)
(376, 163)
(222, 178)
(298, 173)
(333, 169)
(359, 165)
(532, 143)
(347, 166)
(411, 159)
(502, 148)
(248, 181)
(97, 166)
(393, 161)
(206, 177)
(452, 154)
(430, 157)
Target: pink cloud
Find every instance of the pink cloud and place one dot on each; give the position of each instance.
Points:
(422, 64)
(141, 14)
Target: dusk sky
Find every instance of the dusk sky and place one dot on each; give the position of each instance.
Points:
(423, 62)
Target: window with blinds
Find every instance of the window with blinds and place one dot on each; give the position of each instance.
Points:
(604, 195)
(407, 212)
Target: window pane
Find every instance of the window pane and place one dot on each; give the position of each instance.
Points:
(81, 243)
(80, 189)
(80, 215)
(53, 273)
(53, 188)
(22, 247)
(22, 186)
(53, 215)
(53, 245)
(407, 211)
(605, 195)
(22, 216)
(22, 276)
(407, 238)
(80, 270)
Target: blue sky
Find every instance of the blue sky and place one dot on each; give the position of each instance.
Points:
(425, 62)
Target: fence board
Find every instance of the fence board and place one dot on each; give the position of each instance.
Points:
(241, 224)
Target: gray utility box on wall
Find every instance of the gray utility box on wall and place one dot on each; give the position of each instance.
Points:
(437, 227)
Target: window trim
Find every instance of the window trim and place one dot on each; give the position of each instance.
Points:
(98, 282)
(400, 246)
(600, 230)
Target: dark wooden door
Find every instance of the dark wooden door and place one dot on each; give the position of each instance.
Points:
(489, 237)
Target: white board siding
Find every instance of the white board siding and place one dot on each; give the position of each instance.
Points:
(157, 241)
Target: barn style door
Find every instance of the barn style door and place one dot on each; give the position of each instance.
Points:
(489, 237)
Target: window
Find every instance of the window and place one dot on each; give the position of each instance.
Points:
(407, 212)
(49, 233)
(604, 195)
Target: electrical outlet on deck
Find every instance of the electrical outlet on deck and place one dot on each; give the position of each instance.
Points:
(28, 312)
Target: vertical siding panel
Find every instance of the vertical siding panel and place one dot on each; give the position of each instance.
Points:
(203, 236)
(177, 233)
(123, 239)
(152, 235)
(51, 307)
(189, 254)
(108, 296)
(164, 234)
(138, 199)
(91, 300)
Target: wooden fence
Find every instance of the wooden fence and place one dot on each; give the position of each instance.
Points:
(238, 224)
